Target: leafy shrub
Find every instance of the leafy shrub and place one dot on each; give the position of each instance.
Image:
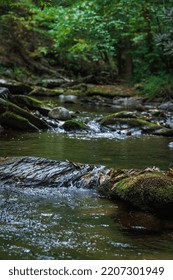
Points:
(158, 85)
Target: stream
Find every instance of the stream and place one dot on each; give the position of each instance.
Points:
(49, 223)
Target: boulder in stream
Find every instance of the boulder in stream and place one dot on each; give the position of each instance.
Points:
(60, 113)
(73, 125)
(23, 119)
(129, 119)
(148, 189)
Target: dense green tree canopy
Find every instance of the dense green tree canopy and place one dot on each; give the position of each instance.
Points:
(126, 38)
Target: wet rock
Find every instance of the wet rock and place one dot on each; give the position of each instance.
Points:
(60, 113)
(15, 87)
(120, 119)
(170, 145)
(73, 125)
(168, 106)
(110, 91)
(30, 171)
(52, 83)
(164, 132)
(148, 191)
(129, 103)
(41, 91)
(16, 122)
(9, 109)
(125, 114)
(31, 103)
(4, 93)
(139, 222)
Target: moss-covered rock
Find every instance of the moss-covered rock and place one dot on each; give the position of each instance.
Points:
(72, 125)
(148, 191)
(41, 91)
(15, 87)
(110, 91)
(125, 114)
(16, 122)
(164, 131)
(31, 103)
(16, 110)
(122, 118)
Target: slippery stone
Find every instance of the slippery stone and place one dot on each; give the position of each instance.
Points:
(60, 113)
(9, 110)
(73, 125)
(4, 93)
(32, 172)
(15, 87)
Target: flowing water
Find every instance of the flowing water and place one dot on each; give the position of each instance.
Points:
(47, 223)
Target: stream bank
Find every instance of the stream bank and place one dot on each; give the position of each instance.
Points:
(129, 113)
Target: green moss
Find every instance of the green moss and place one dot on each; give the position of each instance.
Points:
(14, 121)
(41, 91)
(28, 101)
(74, 125)
(111, 91)
(148, 191)
(117, 119)
(76, 92)
(124, 114)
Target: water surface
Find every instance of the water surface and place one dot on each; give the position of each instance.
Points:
(47, 223)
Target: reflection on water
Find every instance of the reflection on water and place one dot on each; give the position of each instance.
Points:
(72, 224)
(78, 224)
(132, 152)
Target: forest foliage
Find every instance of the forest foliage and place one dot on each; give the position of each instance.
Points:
(126, 39)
